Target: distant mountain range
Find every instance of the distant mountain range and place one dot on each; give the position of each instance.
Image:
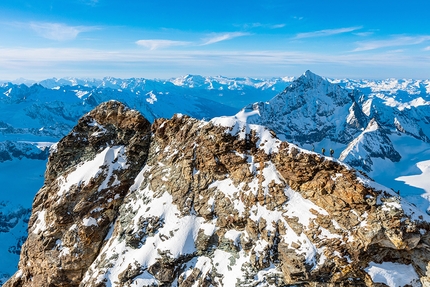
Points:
(381, 127)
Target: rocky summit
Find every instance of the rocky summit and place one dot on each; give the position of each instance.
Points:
(185, 202)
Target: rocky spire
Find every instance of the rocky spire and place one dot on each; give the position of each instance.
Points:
(87, 177)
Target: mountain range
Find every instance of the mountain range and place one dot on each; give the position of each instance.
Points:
(379, 127)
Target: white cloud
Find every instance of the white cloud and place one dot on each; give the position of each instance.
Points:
(215, 38)
(260, 25)
(58, 31)
(277, 26)
(395, 42)
(327, 32)
(49, 62)
(364, 34)
(46, 55)
(427, 48)
(155, 44)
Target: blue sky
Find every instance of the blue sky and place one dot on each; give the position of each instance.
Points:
(161, 39)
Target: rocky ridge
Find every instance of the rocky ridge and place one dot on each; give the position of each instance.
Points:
(314, 111)
(186, 202)
(373, 142)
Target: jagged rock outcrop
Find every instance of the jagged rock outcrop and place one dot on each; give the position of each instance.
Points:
(75, 208)
(373, 142)
(218, 203)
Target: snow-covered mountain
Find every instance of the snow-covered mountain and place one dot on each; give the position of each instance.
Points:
(399, 88)
(310, 110)
(34, 116)
(185, 202)
(234, 92)
(382, 133)
(373, 142)
(381, 127)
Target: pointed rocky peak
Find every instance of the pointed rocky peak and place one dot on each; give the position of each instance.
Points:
(315, 88)
(373, 142)
(109, 124)
(311, 79)
(87, 177)
(356, 117)
(307, 111)
(312, 76)
(307, 80)
(372, 126)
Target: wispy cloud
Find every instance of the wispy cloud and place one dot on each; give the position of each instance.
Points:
(47, 62)
(276, 26)
(395, 42)
(215, 38)
(427, 48)
(155, 44)
(327, 32)
(261, 25)
(58, 31)
(46, 55)
(364, 34)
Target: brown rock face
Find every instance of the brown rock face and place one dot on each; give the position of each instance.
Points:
(192, 203)
(67, 227)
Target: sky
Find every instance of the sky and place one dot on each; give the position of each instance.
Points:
(41, 39)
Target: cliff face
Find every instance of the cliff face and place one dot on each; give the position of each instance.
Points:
(86, 180)
(222, 203)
